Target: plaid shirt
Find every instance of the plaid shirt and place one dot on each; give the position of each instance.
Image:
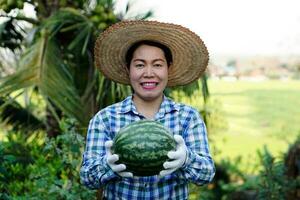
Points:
(179, 119)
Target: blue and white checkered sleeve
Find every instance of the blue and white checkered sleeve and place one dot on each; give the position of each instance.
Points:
(199, 167)
(95, 171)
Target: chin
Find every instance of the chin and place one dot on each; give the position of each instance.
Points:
(150, 97)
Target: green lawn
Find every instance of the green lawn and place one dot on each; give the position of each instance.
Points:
(258, 114)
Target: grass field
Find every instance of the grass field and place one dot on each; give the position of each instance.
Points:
(257, 114)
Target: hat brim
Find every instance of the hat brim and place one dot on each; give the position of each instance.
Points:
(190, 55)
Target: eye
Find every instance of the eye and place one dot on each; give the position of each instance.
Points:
(157, 65)
(140, 65)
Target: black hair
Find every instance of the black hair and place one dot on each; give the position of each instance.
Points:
(164, 48)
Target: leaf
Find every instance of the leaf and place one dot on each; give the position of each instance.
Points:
(84, 35)
(9, 158)
(73, 24)
(42, 66)
(11, 112)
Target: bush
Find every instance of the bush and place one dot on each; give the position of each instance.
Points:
(45, 170)
(271, 183)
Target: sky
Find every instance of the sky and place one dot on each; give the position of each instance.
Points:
(232, 27)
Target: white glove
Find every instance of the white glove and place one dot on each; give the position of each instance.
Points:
(177, 157)
(112, 159)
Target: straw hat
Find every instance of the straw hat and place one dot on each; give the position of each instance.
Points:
(190, 55)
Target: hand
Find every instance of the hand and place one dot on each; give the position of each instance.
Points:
(177, 157)
(112, 159)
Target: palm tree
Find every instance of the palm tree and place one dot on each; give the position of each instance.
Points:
(56, 57)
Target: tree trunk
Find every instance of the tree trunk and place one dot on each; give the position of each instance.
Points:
(52, 125)
(292, 161)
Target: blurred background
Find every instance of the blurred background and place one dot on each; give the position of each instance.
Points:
(249, 96)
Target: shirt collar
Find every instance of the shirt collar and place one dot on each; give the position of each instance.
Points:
(166, 106)
(127, 105)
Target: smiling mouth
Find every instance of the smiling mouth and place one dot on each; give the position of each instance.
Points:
(149, 85)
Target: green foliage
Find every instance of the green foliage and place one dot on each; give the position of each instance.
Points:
(274, 184)
(216, 122)
(12, 112)
(16, 154)
(42, 66)
(271, 183)
(57, 57)
(8, 5)
(228, 179)
(109, 91)
(43, 170)
(102, 16)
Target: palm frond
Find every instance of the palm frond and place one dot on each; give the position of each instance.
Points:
(74, 27)
(13, 114)
(188, 90)
(42, 66)
(144, 16)
(128, 13)
(21, 79)
(204, 84)
(56, 82)
(109, 91)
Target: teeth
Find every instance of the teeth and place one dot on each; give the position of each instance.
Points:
(149, 84)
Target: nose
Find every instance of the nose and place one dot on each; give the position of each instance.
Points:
(148, 71)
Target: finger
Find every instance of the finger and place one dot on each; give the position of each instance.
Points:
(166, 172)
(108, 144)
(112, 158)
(126, 174)
(179, 139)
(171, 164)
(174, 154)
(118, 168)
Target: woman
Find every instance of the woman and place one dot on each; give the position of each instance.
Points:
(149, 56)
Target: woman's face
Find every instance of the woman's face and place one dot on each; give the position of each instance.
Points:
(148, 72)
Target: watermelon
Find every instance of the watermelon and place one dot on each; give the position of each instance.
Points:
(143, 146)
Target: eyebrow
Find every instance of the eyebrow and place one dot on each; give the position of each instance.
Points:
(142, 60)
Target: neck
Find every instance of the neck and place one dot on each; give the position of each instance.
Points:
(147, 108)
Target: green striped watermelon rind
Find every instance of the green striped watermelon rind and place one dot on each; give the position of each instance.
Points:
(129, 145)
